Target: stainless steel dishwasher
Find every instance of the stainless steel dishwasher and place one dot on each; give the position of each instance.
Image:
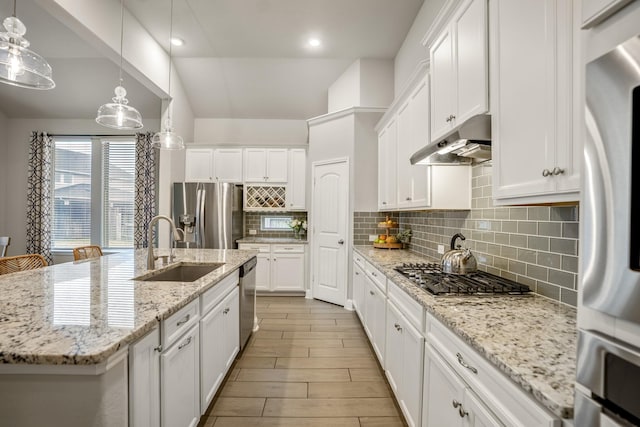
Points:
(247, 299)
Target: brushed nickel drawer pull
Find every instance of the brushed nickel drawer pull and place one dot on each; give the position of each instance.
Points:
(184, 344)
(184, 320)
(464, 364)
(225, 311)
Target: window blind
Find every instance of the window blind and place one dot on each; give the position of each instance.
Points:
(71, 222)
(118, 166)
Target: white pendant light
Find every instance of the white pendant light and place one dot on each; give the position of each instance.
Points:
(20, 66)
(167, 139)
(117, 114)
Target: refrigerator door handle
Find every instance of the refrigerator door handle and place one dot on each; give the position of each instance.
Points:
(203, 196)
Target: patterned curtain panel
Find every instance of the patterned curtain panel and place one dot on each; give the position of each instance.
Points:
(39, 193)
(146, 200)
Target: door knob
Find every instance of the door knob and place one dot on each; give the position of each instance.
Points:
(341, 242)
(557, 171)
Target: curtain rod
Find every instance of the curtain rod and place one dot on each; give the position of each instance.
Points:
(98, 135)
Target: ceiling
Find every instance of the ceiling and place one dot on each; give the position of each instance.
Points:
(242, 58)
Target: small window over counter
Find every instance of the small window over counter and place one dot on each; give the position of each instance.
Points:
(275, 223)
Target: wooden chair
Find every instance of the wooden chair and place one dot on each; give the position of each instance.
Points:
(13, 264)
(86, 252)
(4, 243)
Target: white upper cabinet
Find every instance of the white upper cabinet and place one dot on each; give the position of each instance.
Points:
(387, 152)
(459, 64)
(413, 186)
(198, 164)
(403, 130)
(227, 165)
(296, 185)
(265, 165)
(213, 165)
(536, 157)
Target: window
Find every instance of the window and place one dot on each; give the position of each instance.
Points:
(275, 223)
(93, 196)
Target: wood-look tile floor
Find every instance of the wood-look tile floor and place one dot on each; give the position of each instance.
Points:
(309, 365)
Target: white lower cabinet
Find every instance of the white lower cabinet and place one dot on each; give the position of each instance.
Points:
(358, 290)
(180, 382)
(281, 267)
(374, 317)
(219, 345)
(448, 401)
(144, 381)
(404, 362)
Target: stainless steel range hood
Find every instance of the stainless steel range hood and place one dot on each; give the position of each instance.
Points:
(469, 142)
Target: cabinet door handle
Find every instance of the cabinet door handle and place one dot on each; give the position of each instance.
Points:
(225, 311)
(384, 203)
(456, 404)
(158, 349)
(398, 328)
(374, 274)
(557, 171)
(372, 293)
(341, 242)
(546, 172)
(408, 199)
(185, 343)
(462, 412)
(357, 274)
(464, 364)
(452, 117)
(448, 119)
(184, 320)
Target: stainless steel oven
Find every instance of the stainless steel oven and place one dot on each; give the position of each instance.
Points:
(608, 368)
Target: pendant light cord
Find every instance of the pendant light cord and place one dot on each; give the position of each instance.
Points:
(121, 36)
(170, 52)
(14, 8)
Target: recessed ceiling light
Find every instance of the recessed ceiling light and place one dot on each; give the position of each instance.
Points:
(177, 41)
(313, 42)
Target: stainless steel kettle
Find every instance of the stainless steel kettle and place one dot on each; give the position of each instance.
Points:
(458, 260)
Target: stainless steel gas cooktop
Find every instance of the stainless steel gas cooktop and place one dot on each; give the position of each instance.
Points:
(431, 278)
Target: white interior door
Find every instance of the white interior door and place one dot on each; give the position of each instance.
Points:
(330, 216)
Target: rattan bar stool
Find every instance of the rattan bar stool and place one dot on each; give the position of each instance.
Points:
(86, 252)
(14, 264)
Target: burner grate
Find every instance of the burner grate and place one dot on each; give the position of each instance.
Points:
(430, 277)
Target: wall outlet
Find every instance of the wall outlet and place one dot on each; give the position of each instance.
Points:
(253, 232)
(373, 237)
(441, 249)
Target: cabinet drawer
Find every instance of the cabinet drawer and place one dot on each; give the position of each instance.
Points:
(510, 402)
(286, 249)
(376, 276)
(359, 259)
(214, 295)
(176, 324)
(260, 247)
(411, 309)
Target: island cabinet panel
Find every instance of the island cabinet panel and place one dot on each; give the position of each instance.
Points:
(144, 381)
(219, 344)
(180, 382)
(358, 290)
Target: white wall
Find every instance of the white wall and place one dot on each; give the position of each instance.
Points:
(412, 52)
(250, 132)
(345, 91)
(366, 83)
(16, 144)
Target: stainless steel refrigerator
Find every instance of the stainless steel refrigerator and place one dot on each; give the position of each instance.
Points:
(209, 213)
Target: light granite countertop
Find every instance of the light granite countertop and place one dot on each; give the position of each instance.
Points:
(80, 313)
(530, 338)
(273, 240)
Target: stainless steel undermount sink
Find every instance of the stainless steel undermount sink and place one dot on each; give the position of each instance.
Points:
(182, 272)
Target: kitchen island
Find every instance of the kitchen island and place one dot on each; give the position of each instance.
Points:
(528, 338)
(65, 332)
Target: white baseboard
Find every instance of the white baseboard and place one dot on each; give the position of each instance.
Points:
(308, 294)
(349, 305)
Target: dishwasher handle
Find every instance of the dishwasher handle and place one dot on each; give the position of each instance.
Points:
(248, 267)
